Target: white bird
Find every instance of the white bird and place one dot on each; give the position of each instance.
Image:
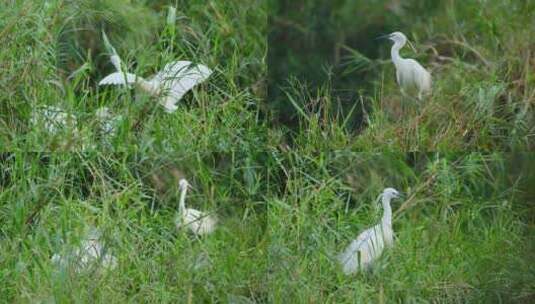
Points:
(90, 252)
(362, 252)
(169, 85)
(200, 223)
(57, 121)
(409, 73)
(108, 123)
(53, 119)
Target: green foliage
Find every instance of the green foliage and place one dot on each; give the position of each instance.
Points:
(53, 54)
(480, 56)
(460, 233)
(282, 168)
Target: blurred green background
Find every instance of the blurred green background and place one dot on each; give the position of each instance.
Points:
(328, 47)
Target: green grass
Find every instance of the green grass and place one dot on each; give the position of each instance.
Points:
(53, 54)
(480, 57)
(288, 196)
(462, 234)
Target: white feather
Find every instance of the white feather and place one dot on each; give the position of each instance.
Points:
(118, 78)
(90, 252)
(369, 245)
(176, 79)
(108, 122)
(198, 222)
(116, 61)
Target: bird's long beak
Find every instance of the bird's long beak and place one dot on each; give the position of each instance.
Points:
(383, 37)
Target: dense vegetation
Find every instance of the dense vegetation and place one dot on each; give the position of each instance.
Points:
(325, 66)
(464, 232)
(53, 54)
(275, 144)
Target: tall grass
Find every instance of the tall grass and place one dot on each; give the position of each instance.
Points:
(480, 57)
(282, 169)
(461, 233)
(126, 186)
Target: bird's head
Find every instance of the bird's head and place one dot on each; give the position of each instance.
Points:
(398, 37)
(183, 184)
(390, 193)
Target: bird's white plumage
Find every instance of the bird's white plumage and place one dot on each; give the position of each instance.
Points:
(90, 252)
(176, 79)
(118, 78)
(198, 222)
(169, 85)
(54, 119)
(116, 61)
(369, 245)
(410, 75)
(108, 122)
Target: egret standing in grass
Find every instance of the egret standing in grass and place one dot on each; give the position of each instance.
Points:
(54, 119)
(200, 223)
(169, 85)
(409, 73)
(362, 252)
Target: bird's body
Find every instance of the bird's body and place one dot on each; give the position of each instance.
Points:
(369, 245)
(54, 119)
(198, 222)
(108, 122)
(410, 75)
(90, 252)
(169, 85)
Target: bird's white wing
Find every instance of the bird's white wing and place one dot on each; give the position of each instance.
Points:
(177, 78)
(198, 222)
(118, 78)
(181, 68)
(114, 58)
(53, 118)
(349, 258)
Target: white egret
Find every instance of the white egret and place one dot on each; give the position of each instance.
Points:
(169, 85)
(90, 252)
(53, 119)
(409, 73)
(108, 122)
(362, 252)
(57, 121)
(200, 223)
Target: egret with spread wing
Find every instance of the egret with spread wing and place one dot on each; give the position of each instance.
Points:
(169, 85)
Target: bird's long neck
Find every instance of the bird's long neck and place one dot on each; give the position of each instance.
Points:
(394, 52)
(182, 202)
(387, 211)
